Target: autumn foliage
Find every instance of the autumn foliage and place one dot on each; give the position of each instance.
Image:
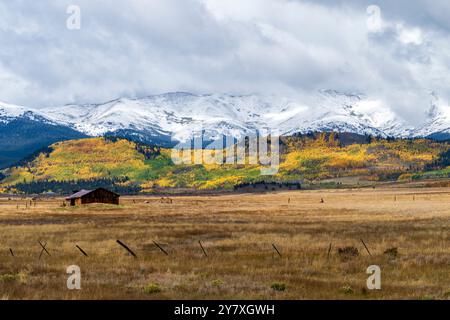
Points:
(308, 158)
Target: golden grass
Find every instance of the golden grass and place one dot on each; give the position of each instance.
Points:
(237, 232)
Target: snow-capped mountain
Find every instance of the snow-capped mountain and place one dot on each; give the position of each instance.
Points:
(172, 117)
(178, 115)
(10, 112)
(23, 131)
(333, 111)
(437, 122)
(167, 118)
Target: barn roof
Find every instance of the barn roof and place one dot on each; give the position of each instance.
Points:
(84, 192)
(79, 194)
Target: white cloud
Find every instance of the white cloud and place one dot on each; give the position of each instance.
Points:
(409, 36)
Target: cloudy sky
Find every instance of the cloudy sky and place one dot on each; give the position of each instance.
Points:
(395, 51)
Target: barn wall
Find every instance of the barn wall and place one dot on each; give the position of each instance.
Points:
(100, 196)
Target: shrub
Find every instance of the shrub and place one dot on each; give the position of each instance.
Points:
(278, 286)
(391, 252)
(217, 283)
(9, 277)
(347, 253)
(405, 176)
(347, 289)
(447, 294)
(152, 288)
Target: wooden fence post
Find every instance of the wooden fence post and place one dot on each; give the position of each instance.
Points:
(126, 248)
(82, 251)
(273, 245)
(43, 249)
(203, 249)
(329, 251)
(366, 247)
(161, 248)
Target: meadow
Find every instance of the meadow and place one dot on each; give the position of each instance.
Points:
(406, 231)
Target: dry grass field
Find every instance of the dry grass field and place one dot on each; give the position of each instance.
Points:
(237, 233)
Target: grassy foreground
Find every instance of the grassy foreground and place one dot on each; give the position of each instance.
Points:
(237, 233)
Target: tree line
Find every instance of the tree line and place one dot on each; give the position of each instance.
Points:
(116, 185)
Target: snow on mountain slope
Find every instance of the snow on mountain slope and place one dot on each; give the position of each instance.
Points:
(24, 131)
(437, 119)
(176, 116)
(180, 114)
(332, 111)
(10, 112)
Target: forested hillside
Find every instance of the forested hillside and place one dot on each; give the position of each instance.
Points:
(130, 167)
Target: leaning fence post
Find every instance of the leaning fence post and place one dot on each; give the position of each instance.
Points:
(203, 249)
(273, 245)
(82, 251)
(366, 247)
(43, 249)
(329, 251)
(126, 248)
(161, 248)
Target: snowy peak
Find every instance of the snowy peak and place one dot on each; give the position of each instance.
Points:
(437, 118)
(176, 116)
(11, 112)
(333, 111)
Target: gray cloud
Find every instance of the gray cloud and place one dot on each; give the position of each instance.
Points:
(137, 48)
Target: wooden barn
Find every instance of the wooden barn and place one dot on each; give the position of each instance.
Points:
(99, 195)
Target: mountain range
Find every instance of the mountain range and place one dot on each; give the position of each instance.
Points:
(167, 118)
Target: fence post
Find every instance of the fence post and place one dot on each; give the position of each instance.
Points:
(82, 251)
(366, 247)
(203, 249)
(329, 251)
(161, 248)
(273, 245)
(126, 248)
